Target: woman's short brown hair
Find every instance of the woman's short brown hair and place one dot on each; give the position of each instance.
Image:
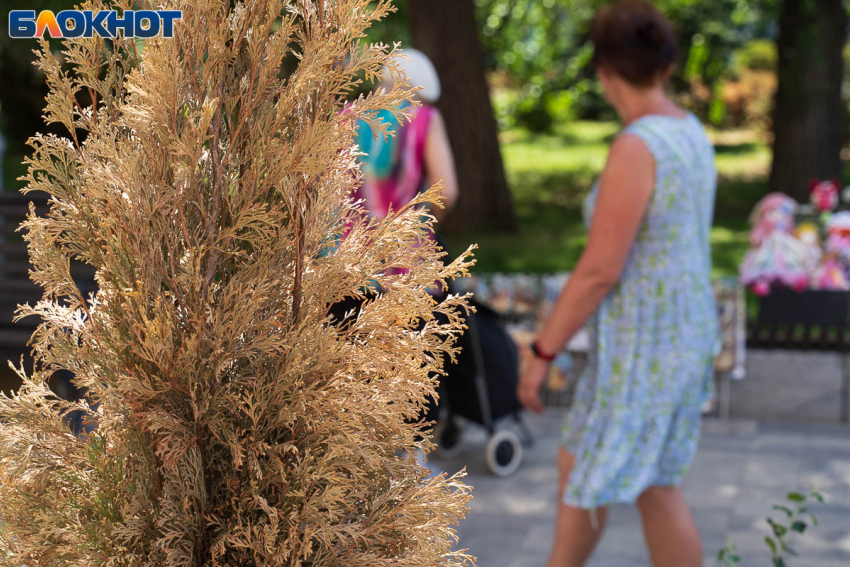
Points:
(635, 40)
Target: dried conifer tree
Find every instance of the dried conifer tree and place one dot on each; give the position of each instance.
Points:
(233, 424)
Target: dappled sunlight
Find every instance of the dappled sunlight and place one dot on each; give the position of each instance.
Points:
(522, 505)
(723, 235)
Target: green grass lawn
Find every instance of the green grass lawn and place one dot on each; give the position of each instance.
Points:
(549, 176)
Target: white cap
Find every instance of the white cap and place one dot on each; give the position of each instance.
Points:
(420, 73)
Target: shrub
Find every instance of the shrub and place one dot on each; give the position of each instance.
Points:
(758, 55)
(230, 423)
(796, 519)
(749, 99)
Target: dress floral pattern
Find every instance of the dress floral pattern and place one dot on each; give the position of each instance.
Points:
(636, 416)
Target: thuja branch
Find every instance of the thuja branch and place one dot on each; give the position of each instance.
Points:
(248, 431)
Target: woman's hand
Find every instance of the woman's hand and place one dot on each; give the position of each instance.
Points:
(531, 382)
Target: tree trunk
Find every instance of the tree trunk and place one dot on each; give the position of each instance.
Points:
(808, 120)
(446, 31)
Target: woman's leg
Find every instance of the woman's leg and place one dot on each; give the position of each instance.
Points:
(576, 533)
(670, 531)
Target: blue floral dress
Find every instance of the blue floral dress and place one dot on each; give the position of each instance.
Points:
(636, 416)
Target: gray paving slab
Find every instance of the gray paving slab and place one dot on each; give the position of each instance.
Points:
(790, 385)
(742, 468)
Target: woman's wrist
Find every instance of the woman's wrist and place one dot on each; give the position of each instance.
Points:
(541, 353)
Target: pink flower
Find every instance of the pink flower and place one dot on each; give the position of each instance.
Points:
(801, 284)
(761, 288)
(824, 195)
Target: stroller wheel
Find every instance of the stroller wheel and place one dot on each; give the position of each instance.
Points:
(449, 439)
(504, 452)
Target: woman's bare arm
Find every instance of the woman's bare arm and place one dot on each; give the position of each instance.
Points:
(625, 190)
(440, 164)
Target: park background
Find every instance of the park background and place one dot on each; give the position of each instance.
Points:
(530, 129)
(530, 132)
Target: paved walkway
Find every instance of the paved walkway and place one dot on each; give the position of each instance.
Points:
(741, 470)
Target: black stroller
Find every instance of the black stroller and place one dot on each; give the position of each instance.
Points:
(481, 388)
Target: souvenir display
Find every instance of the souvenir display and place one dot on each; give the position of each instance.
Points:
(777, 256)
(732, 316)
(526, 294)
(774, 213)
(502, 294)
(525, 302)
(824, 195)
(812, 252)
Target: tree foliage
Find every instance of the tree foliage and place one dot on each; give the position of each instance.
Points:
(231, 422)
(542, 48)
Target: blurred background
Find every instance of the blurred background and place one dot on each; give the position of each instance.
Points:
(530, 129)
(777, 122)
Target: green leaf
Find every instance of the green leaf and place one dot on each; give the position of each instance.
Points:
(778, 529)
(778, 562)
(788, 511)
(771, 543)
(796, 497)
(819, 497)
(727, 556)
(799, 526)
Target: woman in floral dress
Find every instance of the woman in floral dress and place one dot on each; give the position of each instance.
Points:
(643, 285)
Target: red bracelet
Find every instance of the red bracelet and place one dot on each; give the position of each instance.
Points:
(535, 348)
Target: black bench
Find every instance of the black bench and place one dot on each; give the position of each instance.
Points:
(809, 320)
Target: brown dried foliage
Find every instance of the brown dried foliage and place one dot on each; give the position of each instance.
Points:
(234, 425)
